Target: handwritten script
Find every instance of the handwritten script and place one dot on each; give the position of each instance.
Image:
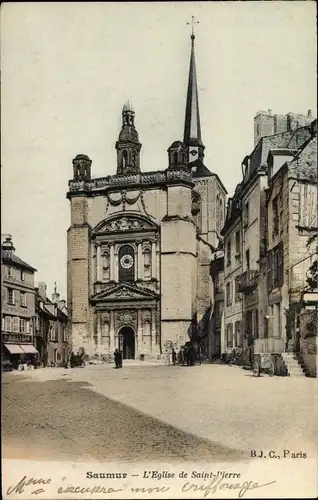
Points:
(36, 486)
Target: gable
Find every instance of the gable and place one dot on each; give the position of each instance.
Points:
(125, 222)
(125, 291)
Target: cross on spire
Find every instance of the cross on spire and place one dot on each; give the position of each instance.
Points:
(193, 22)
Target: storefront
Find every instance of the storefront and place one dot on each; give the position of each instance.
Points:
(19, 353)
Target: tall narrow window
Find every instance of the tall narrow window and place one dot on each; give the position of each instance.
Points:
(125, 158)
(8, 323)
(247, 258)
(11, 297)
(228, 253)
(126, 257)
(237, 244)
(10, 272)
(147, 263)
(246, 215)
(23, 299)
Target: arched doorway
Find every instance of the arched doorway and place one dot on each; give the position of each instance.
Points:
(127, 342)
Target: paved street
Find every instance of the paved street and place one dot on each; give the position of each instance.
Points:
(144, 412)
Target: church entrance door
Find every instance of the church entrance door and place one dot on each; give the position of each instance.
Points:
(127, 342)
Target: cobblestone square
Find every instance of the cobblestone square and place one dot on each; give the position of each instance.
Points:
(155, 412)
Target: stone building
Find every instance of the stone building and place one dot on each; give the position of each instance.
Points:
(232, 243)
(139, 243)
(17, 305)
(278, 142)
(291, 220)
(52, 328)
(216, 327)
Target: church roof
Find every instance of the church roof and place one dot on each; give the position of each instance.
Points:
(192, 126)
(199, 169)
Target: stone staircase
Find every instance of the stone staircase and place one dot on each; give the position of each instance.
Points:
(292, 364)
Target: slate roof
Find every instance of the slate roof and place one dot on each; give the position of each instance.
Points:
(304, 165)
(201, 170)
(19, 262)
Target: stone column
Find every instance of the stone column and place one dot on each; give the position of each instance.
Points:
(153, 260)
(98, 263)
(140, 272)
(139, 342)
(153, 332)
(112, 262)
(115, 265)
(99, 333)
(112, 346)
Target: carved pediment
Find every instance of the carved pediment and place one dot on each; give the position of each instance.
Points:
(125, 223)
(125, 291)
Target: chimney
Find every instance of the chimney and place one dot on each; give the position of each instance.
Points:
(309, 114)
(42, 289)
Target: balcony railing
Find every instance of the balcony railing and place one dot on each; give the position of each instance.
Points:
(247, 281)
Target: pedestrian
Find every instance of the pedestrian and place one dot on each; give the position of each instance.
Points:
(118, 359)
(174, 356)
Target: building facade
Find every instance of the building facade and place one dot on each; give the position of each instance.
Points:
(272, 217)
(232, 243)
(140, 243)
(216, 325)
(291, 221)
(17, 305)
(52, 328)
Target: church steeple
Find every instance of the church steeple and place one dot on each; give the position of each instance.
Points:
(192, 126)
(128, 145)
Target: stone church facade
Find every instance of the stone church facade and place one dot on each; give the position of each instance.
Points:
(140, 243)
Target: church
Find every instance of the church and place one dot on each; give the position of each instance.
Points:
(140, 243)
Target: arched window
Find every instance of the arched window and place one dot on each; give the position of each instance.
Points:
(175, 158)
(106, 266)
(196, 210)
(147, 263)
(126, 258)
(125, 158)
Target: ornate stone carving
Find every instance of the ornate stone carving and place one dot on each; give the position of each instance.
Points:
(124, 292)
(128, 317)
(124, 224)
(139, 179)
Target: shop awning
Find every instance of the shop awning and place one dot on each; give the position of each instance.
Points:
(14, 348)
(29, 349)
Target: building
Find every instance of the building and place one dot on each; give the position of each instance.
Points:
(17, 305)
(291, 221)
(232, 233)
(140, 243)
(216, 325)
(259, 270)
(52, 328)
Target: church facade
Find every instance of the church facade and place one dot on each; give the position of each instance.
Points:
(140, 243)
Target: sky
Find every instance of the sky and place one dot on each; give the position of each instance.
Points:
(68, 68)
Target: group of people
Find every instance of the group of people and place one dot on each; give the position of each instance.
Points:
(187, 355)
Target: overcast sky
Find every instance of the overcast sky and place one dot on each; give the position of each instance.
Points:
(67, 69)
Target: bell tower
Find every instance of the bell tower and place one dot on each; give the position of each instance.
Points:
(192, 125)
(128, 146)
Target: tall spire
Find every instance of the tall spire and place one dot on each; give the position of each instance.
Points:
(192, 127)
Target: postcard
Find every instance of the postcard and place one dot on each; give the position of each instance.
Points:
(159, 250)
